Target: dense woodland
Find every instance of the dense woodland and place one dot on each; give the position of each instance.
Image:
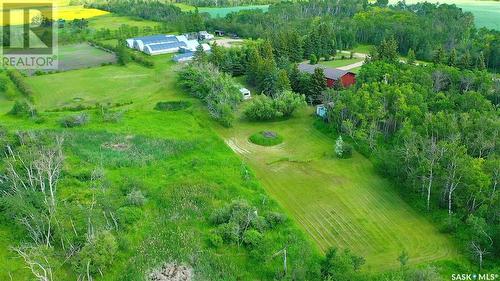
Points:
(297, 30)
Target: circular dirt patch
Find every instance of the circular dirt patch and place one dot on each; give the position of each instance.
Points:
(266, 138)
(77, 99)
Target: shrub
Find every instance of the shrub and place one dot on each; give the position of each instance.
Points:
(273, 219)
(112, 116)
(252, 238)
(229, 232)
(216, 89)
(264, 108)
(17, 78)
(215, 239)
(22, 109)
(266, 138)
(135, 197)
(313, 59)
(172, 105)
(97, 253)
(75, 120)
(342, 149)
(129, 215)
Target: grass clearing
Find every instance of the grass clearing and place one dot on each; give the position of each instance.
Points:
(338, 62)
(337, 202)
(108, 84)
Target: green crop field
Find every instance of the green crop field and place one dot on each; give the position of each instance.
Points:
(113, 21)
(486, 13)
(223, 11)
(336, 202)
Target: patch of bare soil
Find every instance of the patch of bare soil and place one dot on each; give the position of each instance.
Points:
(269, 134)
(172, 272)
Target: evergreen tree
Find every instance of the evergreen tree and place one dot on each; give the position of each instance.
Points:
(466, 60)
(480, 64)
(317, 84)
(452, 58)
(122, 53)
(199, 55)
(313, 59)
(439, 56)
(216, 55)
(410, 58)
(254, 61)
(283, 83)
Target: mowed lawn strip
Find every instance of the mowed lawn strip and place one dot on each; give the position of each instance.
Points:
(341, 203)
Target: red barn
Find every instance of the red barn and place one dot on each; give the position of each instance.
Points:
(332, 75)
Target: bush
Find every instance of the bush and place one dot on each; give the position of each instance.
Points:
(22, 109)
(111, 116)
(136, 198)
(172, 105)
(229, 232)
(342, 149)
(128, 215)
(264, 108)
(216, 89)
(215, 239)
(266, 138)
(252, 238)
(273, 219)
(75, 120)
(313, 59)
(17, 78)
(97, 254)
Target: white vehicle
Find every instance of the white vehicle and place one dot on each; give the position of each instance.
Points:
(245, 93)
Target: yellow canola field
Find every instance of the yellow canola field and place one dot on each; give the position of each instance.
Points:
(59, 12)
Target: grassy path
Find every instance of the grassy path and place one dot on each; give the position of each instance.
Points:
(336, 202)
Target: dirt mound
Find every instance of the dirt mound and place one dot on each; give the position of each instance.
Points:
(172, 272)
(269, 134)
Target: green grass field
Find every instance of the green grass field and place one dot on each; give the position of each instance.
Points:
(486, 13)
(338, 62)
(182, 187)
(336, 202)
(223, 11)
(109, 84)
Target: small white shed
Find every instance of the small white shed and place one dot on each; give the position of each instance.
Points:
(245, 93)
